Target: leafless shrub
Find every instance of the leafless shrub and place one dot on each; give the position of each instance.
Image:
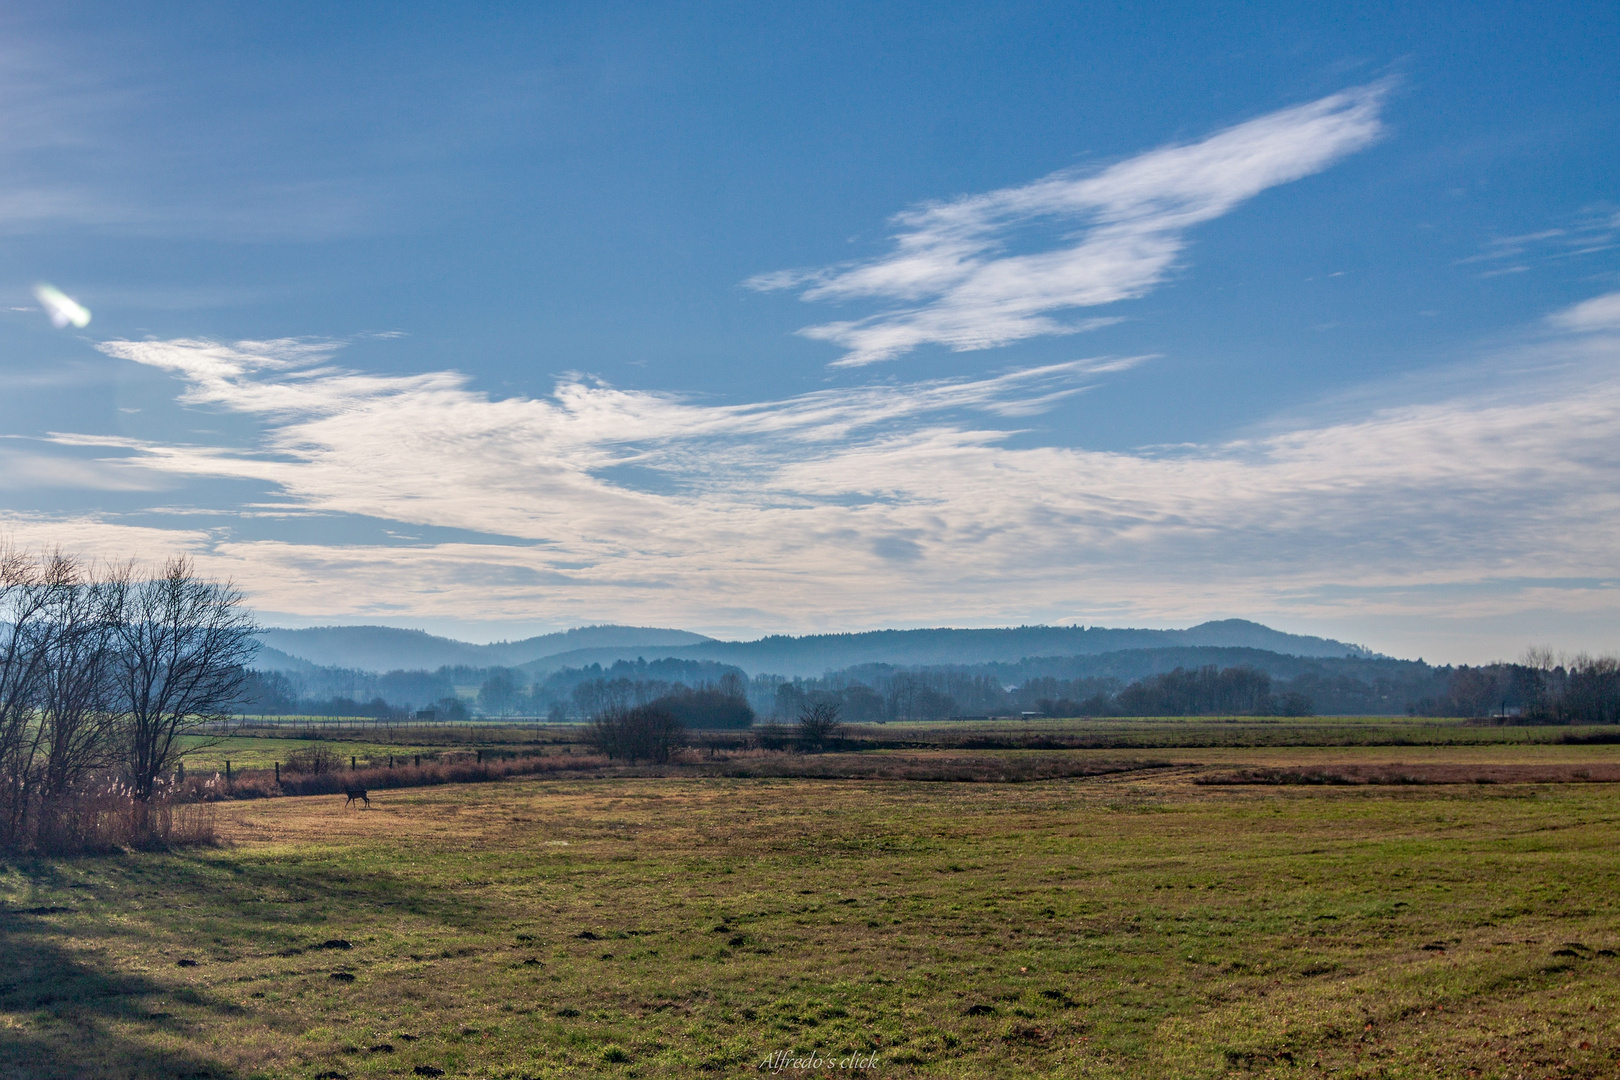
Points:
(647, 732)
(819, 725)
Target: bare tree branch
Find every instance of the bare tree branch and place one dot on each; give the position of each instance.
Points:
(184, 649)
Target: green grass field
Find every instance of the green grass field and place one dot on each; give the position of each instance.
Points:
(260, 749)
(1133, 924)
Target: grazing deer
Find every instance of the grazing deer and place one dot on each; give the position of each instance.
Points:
(357, 793)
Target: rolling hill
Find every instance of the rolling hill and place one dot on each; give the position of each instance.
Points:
(380, 648)
(387, 648)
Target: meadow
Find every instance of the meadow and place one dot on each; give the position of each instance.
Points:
(1132, 920)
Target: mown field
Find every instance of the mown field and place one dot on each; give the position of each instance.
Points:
(1132, 924)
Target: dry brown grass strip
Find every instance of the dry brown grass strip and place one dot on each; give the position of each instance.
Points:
(261, 783)
(942, 766)
(939, 766)
(1422, 774)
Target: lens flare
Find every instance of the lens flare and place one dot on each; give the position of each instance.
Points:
(62, 308)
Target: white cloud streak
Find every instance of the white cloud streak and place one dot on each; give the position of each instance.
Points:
(1121, 232)
(1598, 313)
(1591, 233)
(905, 504)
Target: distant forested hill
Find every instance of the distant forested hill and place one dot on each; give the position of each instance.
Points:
(1130, 664)
(387, 648)
(818, 653)
(383, 648)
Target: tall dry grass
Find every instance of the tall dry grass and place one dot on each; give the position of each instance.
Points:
(108, 817)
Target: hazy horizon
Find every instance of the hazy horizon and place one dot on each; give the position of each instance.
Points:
(754, 636)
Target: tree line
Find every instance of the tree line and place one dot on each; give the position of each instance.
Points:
(102, 673)
(500, 691)
(1542, 688)
(936, 694)
(1346, 685)
(875, 692)
(865, 693)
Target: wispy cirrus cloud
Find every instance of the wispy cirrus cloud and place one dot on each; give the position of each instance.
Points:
(1592, 232)
(533, 449)
(1118, 233)
(893, 504)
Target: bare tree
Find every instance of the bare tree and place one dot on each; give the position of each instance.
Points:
(25, 595)
(819, 724)
(183, 650)
(78, 719)
(1540, 658)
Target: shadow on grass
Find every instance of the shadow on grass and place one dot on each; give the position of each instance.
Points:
(284, 893)
(67, 1012)
(65, 1017)
(253, 899)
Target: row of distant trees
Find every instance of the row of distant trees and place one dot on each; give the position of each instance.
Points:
(873, 692)
(866, 694)
(272, 693)
(880, 694)
(1205, 691)
(927, 695)
(1542, 688)
(102, 671)
(499, 692)
(718, 705)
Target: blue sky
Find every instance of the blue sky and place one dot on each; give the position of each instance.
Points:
(754, 318)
